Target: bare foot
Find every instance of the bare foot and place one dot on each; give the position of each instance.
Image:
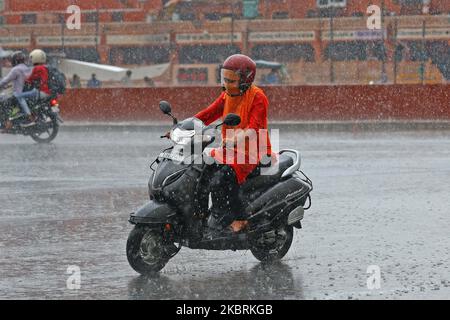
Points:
(239, 225)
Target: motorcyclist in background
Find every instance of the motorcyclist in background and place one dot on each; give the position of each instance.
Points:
(38, 80)
(17, 76)
(243, 98)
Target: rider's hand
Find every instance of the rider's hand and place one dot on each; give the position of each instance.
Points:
(228, 143)
(167, 135)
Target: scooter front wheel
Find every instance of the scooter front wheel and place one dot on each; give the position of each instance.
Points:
(273, 245)
(146, 251)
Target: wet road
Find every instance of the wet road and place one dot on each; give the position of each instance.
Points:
(380, 199)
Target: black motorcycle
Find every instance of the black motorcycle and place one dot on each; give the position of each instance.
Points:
(177, 214)
(46, 112)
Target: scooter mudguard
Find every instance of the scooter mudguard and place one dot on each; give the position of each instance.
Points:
(152, 213)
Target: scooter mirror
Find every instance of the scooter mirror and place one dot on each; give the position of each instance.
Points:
(165, 107)
(232, 120)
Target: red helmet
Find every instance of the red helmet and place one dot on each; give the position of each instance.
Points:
(244, 66)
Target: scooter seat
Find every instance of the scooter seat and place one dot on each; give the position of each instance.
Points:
(258, 179)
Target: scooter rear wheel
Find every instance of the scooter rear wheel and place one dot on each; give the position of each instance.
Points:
(49, 134)
(273, 245)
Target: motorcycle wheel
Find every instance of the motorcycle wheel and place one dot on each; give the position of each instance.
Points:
(273, 245)
(146, 252)
(48, 135)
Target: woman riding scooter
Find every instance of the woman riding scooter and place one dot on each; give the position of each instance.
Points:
(243, 98)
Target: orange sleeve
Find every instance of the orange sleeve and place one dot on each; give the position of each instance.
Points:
(213, 112)
(258, 113)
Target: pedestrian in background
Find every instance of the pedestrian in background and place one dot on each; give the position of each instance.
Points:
(75, 83)
(126, 81)
(149, 82)
(94, 82)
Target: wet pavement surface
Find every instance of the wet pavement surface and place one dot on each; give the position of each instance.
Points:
(380, 198)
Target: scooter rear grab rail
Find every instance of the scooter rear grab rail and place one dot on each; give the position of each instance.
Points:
(297, 162)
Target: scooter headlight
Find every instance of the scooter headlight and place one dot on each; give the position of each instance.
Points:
(182, 137)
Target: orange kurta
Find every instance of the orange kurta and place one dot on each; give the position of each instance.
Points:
(252, 107)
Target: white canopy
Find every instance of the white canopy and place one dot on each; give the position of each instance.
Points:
(109, 73)
(5, 54)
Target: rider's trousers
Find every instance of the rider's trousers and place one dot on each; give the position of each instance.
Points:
(34, 94)
(226, 203)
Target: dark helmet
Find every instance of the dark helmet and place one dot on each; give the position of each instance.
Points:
(243, 66)
(17, 57)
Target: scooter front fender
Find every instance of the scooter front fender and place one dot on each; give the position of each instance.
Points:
(152, 213)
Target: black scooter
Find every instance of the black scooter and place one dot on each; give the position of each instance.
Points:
(177, 214)
(47, 116)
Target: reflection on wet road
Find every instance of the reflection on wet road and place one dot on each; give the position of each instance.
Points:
(380, 199)
(261, 281)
